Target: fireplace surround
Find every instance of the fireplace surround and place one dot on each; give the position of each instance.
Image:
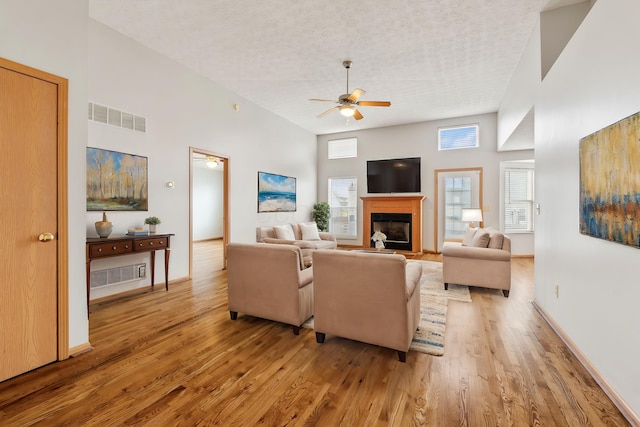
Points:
(405, 205)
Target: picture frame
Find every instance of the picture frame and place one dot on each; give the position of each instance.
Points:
(276, 193)
(116, 181)
(609, 185)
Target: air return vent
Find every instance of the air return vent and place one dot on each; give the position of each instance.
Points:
(114, 117)
(117, 275)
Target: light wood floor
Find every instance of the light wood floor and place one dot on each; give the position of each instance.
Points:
(174, 358)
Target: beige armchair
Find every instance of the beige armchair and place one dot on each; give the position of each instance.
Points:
(484, 260)
(368, 297)
(268, 281)
(308, 242)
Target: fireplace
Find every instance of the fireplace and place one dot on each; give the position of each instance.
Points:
(397, 228)
(407, 207)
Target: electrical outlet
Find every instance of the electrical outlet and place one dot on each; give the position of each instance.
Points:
(557, 290)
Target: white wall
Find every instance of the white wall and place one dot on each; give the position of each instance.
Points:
(421, 140)
(52, 37)
(208, 202)
(593, 84)
(184, 109)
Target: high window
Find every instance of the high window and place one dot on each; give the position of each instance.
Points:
(455, 137)
(343, 200)
(342, 148)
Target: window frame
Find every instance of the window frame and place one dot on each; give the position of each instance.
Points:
(529, 167)
(475, 126)
(351, 151)
(351, 208)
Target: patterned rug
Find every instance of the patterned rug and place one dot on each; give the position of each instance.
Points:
(429, 337)
(434, 300)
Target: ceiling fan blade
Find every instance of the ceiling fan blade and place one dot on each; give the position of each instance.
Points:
(357, 115)
(355, 95)
(327, 112)
(324, 100)
(374, 103)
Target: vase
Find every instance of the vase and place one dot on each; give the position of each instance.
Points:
(152, 228)
(104, 227)
(379, 244)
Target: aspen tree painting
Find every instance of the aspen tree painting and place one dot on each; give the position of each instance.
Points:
(116, 181)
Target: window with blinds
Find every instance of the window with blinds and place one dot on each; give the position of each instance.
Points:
(456, 137)
(343, 201)
(342, 148)
(518, 200)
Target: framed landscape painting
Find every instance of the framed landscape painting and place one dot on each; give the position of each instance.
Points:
(276, 193)
(116, 181)
(610, 182)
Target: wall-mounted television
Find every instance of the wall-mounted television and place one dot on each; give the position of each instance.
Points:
(393, 175)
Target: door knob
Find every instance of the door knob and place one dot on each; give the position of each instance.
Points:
(46, 237)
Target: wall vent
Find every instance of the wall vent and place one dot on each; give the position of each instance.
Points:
(117, 275)
(114, 117)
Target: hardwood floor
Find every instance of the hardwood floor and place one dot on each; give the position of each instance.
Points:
(175, 358)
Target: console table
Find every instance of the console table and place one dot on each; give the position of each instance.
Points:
(126, 245)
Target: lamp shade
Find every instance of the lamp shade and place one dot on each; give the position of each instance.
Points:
(471, 215)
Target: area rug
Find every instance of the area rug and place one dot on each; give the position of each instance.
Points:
(429, 337)
(434, 300)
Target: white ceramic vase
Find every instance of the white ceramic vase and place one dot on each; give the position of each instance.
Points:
(379, 244)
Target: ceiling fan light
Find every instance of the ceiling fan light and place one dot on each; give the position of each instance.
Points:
(347, 110)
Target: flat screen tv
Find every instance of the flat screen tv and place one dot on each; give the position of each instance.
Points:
(393, 175)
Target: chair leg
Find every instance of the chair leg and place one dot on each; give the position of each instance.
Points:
(402, 356)
(506, 293)
(233, 315)
(446, 286)
(296, 330)
(319, 337)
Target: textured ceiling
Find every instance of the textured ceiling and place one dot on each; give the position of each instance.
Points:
(432, 59)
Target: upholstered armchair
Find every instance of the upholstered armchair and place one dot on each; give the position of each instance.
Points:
(368, 297)
(482, 259)
(268, 281)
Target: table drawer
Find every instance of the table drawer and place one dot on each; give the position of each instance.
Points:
(150, 244)
(108, 249)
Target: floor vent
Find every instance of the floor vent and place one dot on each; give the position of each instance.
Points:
(111, 116)
(117, 275)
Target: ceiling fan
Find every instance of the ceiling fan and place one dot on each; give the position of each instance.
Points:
(211, 161)
(349, 101)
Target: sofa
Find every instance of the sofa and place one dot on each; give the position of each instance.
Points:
(304, 235)
(368, 297)
(482, 259)
(269, 281)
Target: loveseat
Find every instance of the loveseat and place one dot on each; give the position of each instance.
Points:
(268, 281)
(304, 235)
(368, 297)
(482, 259)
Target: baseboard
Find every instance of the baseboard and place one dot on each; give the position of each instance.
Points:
(79, 349)
(617, 400)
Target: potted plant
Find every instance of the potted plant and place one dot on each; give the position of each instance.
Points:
(152, 222)
(321, 215)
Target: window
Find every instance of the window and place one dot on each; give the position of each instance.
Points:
(343, 200)
(457, 196)
(518, 199)
(342, 148)
(452, 138)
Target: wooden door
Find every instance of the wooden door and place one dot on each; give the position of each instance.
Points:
(28, 208)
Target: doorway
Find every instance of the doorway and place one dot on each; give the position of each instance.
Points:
(209, 200)
(34, 325)
(454, 189)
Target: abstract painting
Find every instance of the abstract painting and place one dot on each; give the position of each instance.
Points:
(116, 181)
(276, 193)
(610, 182)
